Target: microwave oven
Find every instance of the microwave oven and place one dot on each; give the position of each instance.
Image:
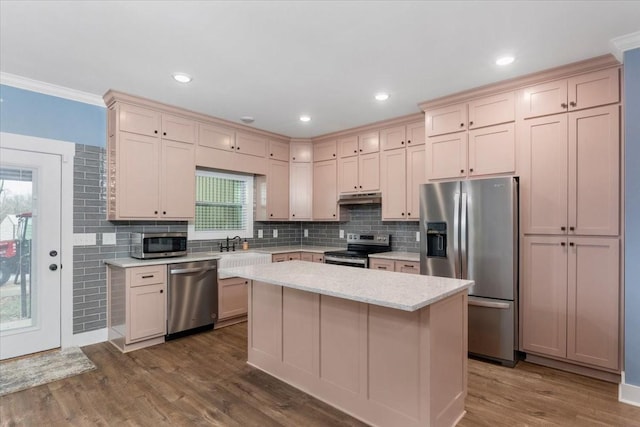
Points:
(158, 245)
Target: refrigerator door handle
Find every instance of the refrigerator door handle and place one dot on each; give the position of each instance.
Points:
(489, 304)
(463, 238)
(456, 234)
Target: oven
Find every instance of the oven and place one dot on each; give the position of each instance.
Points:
(359, 246)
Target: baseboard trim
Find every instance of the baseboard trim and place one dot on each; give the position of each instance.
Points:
(89, 338)
(576, 369)
(629, 393)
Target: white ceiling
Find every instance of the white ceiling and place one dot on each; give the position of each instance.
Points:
(277, 60)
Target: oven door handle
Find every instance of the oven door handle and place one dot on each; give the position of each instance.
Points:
(349, 260)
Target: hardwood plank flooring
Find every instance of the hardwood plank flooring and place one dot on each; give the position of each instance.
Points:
(203, 380)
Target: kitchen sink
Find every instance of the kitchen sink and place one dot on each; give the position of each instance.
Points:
(240, 259)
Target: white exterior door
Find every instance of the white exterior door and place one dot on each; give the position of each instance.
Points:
(30, 310)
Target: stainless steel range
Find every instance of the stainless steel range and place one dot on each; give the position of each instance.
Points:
(359, 246)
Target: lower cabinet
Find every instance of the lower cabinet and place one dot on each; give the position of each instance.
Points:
(137, 306)
(232, 297)
(289, 256)
(306, 256)
(401, 266)
(571, 299)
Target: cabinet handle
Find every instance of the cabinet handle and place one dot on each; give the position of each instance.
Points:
(461, 125)
(471, 123)
(572, 228)
(571, 244)
(149, 276)
(563, 228)
(410, 266)
(162, 291)
(563, 105)
(573, 103)
(562, 243)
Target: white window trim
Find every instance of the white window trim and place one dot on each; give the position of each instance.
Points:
(223, 234)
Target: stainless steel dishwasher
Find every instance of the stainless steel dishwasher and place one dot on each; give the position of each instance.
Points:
(192, 297)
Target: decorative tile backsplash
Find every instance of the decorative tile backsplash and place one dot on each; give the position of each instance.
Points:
(89, 216)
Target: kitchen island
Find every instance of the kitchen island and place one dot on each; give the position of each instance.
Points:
(387, 348)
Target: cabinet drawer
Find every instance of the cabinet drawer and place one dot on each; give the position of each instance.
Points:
(318, 258)
(411, 267)
(151, 275)
(381, 264)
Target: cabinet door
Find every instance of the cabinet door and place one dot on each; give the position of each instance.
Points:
(301, 152)
(291, 256)
(381, 264)
(543, 184)
(492, 110)
(325, 190)
(138, 120)
(593, 89)
(278, 190)
(594, 171)
(544, 295)
(324, 151)
(348, 174)
(393, 138)
(348, 147)
(301, 191)
(318, 258)
(178, 129)
(369, 143)
(306, 256)
(415, 133)
(278, 150)
(447, 156)
(416, 176)
(216, 137)
(393, 185)
(410, 267)
(369, 172)
(147, 312)
(593, 301)
(138, 176)
(252, 145)
(543, 99)
(178, 181)
(492, 150)
(232, 297)
(446, 120)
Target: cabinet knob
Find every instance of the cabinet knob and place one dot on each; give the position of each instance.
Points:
(246, 282)
(164, 212)
(402, 214)
(563, 105)
(293, 214)
(572, 228)
(334, 154)
(562, 243)
(271, 154)
(294, 158)
(270, 214)
(408, 213)
(401, 142)
(461, 170)
(334, 214)
(361, 150)
(563, 228)
(162, 291)
(408, 141)
(355, 186)
(233, 147)
(471, 170)
(355, 151)
(238, 148)
(155, 212)
(471, 123)
(461, 125)
(361, 186)
(164, 133)
(155, 131)
(571, 244)
(573, 103)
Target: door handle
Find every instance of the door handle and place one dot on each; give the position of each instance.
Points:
(463, 237)
(53, 267)
(191, 270)
(456, 234)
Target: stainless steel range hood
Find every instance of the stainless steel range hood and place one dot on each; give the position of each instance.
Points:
(360, 199)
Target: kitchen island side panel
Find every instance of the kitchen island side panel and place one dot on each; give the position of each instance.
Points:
(384, 366)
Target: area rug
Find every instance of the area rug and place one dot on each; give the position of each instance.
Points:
(42, 369)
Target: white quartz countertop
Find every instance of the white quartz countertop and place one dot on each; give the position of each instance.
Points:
(401, 291)
(397, 256)
(285, 249)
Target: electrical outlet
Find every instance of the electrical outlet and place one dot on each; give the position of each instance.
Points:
(306, 233)
(342, 234)
(78, 239)
(84, 239)
(275, 233)
(417, 236)
(260, 234)
(108, 238)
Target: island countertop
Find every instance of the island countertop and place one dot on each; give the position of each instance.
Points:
(408, 292)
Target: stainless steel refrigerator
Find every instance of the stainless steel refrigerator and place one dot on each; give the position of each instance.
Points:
(469, 230)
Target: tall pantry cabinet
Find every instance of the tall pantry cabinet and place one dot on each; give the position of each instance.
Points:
(570, 219)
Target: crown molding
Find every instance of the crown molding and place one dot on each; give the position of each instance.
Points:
(627, 42)
(50, 89)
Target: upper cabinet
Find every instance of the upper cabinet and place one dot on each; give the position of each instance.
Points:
(272, 192)
(278, 150)
(250, 144)
(474, 139)
(348, 147)
(300, 181)
(324, 151)
(359, 165)
(325, 191)
(145, 147)
(575, 93)
(401, 174)
(217, 137)
(402, 136)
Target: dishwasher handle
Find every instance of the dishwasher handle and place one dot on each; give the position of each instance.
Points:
(191, 270)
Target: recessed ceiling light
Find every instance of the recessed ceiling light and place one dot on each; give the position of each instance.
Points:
(504, 60)
(305, 118)
(247, 119)
(182, 77)
(382, 96)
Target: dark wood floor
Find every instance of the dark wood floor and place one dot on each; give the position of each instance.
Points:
(204, 380)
